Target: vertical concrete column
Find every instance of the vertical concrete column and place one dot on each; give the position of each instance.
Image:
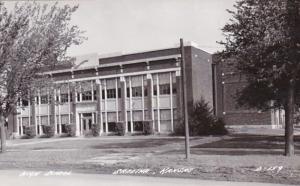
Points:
(99, 102)
(150, 113)
(123, 114)
(179, 98)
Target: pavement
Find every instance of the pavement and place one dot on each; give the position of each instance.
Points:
(50, 178)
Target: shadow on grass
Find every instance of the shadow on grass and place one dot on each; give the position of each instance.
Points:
(136, 144)
(246, 145)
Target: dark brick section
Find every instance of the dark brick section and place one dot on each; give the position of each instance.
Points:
(142, 55)
(248, 118)
(98, 104)
(73, 118)
(62, 76)
(179, 101)
(12, 120)
(162, 64)
(123, 102)
(202, 75)
(227, 83)
(149, 100)
(84, 73)
(52, 107)
(135, 67)
(32, 110)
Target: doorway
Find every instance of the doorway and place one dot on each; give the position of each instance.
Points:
(86, 122)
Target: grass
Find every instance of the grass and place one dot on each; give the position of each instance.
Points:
(232, 157)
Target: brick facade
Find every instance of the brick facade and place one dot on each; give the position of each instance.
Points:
(128, 88)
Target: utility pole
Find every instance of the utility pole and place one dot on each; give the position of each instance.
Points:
(184, 96)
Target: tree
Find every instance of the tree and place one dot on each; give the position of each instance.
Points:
(32, 37)
(202, 121)
(263, 38)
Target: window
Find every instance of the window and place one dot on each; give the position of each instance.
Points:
(136, 91)
(164, 89)
(103, 94)
(119, 93)
(24, 102)
(37, 100)
(111, 93)
(78, 97)
(128, 92)
(71, 97)
(64, 98)
(145, 91)
(44, 99)
(154, 90)
(174, 88)
(87, 96)
(95, 95)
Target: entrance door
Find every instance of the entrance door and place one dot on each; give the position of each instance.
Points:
(86, 122)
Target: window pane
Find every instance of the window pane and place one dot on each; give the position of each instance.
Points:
(24, 102)
(164, 89)
(136, 91)
(87, 95)
(111, 93)
(64, 98)
(44, 99)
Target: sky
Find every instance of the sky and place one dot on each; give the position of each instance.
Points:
(128, 26)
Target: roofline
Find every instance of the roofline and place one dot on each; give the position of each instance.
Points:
(176, 46)
(119, 63)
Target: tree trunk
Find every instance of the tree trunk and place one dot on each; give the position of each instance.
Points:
(289, 121)
(2, 133)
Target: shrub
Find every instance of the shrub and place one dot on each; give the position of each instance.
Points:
(30, 131)
(48, 130)
(202, 121)
(148, 128)
(120, 128)
(71, 130)
(95, 129)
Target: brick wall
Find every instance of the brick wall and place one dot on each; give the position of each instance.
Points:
(227, 83)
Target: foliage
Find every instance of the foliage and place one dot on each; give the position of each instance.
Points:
(148, 128)
(263, 38)
(95, 130)
(34, 37)
(48, 130)
(202, 121)
(71, 130)
(30, 131)
(120, 128)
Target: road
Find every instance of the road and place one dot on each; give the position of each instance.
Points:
(52, 178)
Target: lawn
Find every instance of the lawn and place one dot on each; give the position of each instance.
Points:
(236, 157)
